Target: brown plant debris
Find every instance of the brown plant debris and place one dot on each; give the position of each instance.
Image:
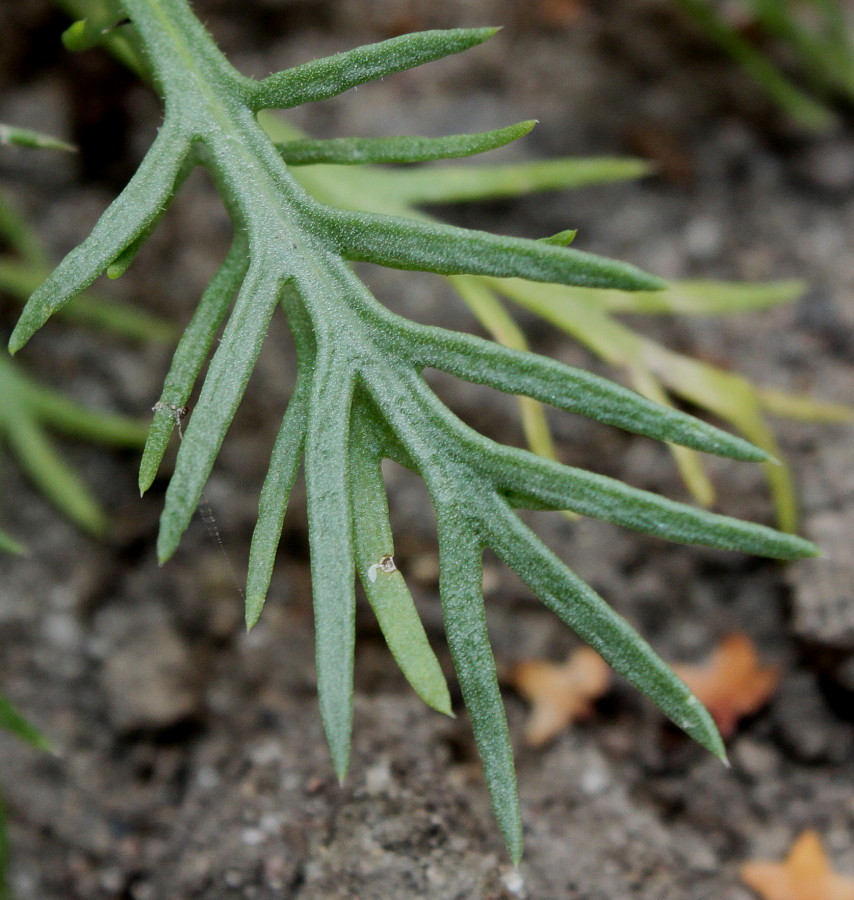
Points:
(559, 693)
(804, 875)
(731, 684)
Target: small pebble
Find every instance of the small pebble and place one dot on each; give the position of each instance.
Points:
(594, 781)
(514, 882)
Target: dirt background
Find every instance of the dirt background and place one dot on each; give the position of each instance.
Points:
(191, 761)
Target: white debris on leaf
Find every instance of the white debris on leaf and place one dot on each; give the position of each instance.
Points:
(385, 565)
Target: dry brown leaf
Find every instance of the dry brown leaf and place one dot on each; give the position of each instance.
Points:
(559, 693)
(805, 875)
(732, 684)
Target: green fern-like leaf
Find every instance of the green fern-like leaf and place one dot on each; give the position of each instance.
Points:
(361, 395)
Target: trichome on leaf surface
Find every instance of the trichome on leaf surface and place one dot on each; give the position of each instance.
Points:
(360, 395)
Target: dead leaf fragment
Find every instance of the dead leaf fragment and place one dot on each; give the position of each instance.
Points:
(731, 684)
(559, 693)
(804, 875)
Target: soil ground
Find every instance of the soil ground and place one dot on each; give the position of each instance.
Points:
(190, 756)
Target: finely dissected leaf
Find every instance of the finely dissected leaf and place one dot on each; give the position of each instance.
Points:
(273, 502)
(408, 149)
(723, 393)
(460, 581)
(329, 523)
(688, 461)
(543, 484)
(141, 203)
(597, 624)
(583, 312)
(323, 78)
(361, 394)
(27, 407)
(536, 483)
(572, 390)
(20, 280)
(384, 585)
(493, 316)
(191, 353)
(224, 385)
(405, 244)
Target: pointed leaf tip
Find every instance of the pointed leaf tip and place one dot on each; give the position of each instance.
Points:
(341, 763)
(326, 77)
(655, 283)
(164, 550)
(562, 238)
(480, 34)
(703, 729)
(18, 339)
(74, 37)
(403, 243)
(804, 549)
(254, 608)
(397, 149)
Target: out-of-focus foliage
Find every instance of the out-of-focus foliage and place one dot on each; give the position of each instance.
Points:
(11, 720)
(800, 51)
(29, 409)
